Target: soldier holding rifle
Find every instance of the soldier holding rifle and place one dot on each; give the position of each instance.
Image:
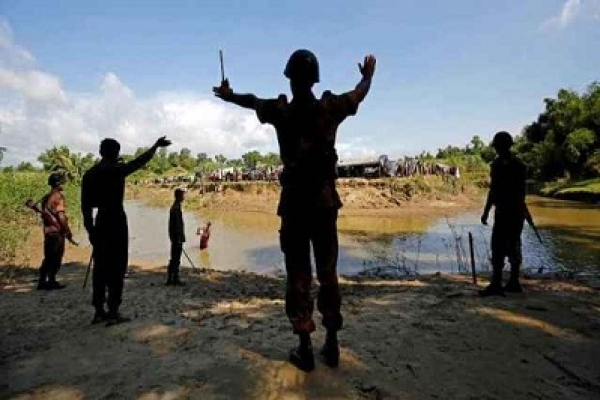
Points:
(52, 209)
(507, 195)
(306, 131)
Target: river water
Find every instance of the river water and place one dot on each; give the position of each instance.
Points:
(417, 244)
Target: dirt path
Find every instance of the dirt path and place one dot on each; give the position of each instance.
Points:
(225, 336)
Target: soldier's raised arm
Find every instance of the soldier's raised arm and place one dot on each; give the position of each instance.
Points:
(367, 70)
(224, 92)
(141, 160)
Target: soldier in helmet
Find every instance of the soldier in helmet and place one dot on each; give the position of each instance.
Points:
(507, 195)
(56, 229)
(103, 188)
(306, 131)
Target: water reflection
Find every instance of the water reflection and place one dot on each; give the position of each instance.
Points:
(249, 240)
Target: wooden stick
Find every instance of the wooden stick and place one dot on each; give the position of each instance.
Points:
(472, 250)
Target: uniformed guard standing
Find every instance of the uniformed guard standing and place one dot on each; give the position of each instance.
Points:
(177, 238)
(306, 131)
(103, 187)
(507, 195)
(56, 229)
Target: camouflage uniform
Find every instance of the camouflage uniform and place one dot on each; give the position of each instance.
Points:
(309, 202)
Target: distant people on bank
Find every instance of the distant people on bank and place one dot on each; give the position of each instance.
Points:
(177, 238)
(306, 131)
(52, 209)
(103, 188)
(507, 195)
(204, 234)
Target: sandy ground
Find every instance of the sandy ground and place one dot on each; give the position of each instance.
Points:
(225, 336)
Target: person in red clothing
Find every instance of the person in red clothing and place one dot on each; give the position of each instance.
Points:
(204, 236)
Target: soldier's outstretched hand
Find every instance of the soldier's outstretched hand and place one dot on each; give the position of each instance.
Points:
(224, 91)
(367, 68)
(162, 142)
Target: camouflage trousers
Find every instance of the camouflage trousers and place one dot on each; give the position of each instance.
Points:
(506, 241)
(297, 233)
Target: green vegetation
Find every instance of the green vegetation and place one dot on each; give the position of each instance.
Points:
(17, 220)
(564, 142)
(587, 190)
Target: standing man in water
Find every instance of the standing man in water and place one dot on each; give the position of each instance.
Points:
(103, 187)
(177, 237)
(309, 203)
(507, 195)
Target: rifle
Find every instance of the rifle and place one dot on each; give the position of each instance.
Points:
(529, 220)
(47, 217)
(88, 269)
(189, 259)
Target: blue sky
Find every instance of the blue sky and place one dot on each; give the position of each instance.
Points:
(446, 70)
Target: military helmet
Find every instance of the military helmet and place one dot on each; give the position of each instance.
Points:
(502, 140)
(302, 64)
(56, 178)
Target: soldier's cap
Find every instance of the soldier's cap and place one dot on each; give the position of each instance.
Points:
(180, 190)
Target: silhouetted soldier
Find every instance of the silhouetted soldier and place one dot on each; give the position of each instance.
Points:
(56, 229)
(306, 131)
(103, 187)
(507, 195)
(177, 237)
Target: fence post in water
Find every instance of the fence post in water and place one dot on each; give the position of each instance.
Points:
(472, 250)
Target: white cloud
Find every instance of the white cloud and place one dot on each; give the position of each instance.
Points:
(573, 10)
(36, 113)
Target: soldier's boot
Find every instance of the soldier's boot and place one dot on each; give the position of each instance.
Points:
(495, 286)
(513, 285)
(302, 356)
(169, 275)
(42, 284)
(99, 316)
(176, 280)
(53, 284)
(331, 350)
(114, 317)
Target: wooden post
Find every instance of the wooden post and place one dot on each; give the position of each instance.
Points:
(472, 250)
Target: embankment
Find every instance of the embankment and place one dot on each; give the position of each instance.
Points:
(384, 197)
